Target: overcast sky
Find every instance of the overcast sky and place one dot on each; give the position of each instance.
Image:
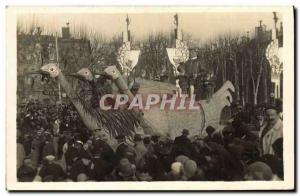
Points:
(201, 26)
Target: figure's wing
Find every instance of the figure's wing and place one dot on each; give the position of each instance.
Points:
(213, 107)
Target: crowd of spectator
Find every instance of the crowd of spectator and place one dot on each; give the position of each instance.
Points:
(54, 145)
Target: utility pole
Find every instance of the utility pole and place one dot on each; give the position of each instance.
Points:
(57, 60)
(176, 25)
(127, 27)
(275, 18)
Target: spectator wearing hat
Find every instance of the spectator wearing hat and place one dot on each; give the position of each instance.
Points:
(212, 135)
(209, 130)
(51, 171)
(71, 154)
(152, 164)
(142, 176)
(104, 157)
(82, 177)
(259, 120)
(228, 133)
(154, 139)
(26, 172)
(182, 145)
(148, 144)
(176, 173)
(102, 149)
(181, 159)
(79, 147)
(274, 163)
(258, 171)
(190, 169)
(164, 153)
(125, 150)
(272, 131)
(125, 171)
(83, 165)
(122, 146)
(87, 147)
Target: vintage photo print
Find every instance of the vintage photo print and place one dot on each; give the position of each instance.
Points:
(150, 98)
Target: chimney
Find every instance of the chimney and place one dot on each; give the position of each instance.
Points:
(66, 31)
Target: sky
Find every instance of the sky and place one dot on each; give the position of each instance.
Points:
(201, 26)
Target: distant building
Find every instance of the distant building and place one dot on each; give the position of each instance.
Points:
(35, 50)
(262, 34)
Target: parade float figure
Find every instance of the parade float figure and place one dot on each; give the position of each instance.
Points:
(99, 85)
(154, 120)
(113, 122)
(274, 54)
(158, 119)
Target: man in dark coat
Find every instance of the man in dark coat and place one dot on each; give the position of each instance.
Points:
(213, 135)
(103, 150)
(105, 158)
(71, 153)
(278, 149)
(82, 165)
(182, 145)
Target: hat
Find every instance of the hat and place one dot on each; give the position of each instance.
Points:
(239, 106)
(137, 138)
(126, 169)
(79, 142)
(176, 167)
(147, 140)
(189, 168)
(27, 161)
(89, 142)
(272, 161)
(228, 129)
(155, 138)
(182, 159)
(48, 178)
(50, 157)
(47, 133)
(142, 176)
(85, 155)
(185, 132)
(82, 177)
(123, 161)
(120, 137)
(271, 107)
(210, 129)
(260, 167)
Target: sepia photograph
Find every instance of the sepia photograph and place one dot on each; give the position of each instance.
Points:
(150, 98)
